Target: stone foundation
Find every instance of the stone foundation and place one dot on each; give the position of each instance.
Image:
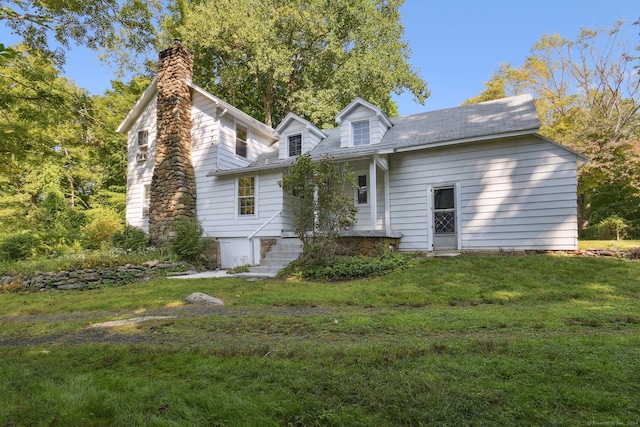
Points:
(367, 246)
(265, 246)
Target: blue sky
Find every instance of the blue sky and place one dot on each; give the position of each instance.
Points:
(456, 44)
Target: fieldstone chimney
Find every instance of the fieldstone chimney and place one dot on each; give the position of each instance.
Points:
(173, 186)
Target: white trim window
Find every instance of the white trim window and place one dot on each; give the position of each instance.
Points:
(246, 195)
(142, 146)
(146, 200)
(294, 144)
(362, 189)
(361, 132)
(242, 136)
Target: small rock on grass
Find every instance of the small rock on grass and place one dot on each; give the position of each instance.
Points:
(200, 298)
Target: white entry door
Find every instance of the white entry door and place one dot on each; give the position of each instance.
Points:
(445, 229)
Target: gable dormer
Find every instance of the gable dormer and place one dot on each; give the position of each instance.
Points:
(362, 123)
(297, 136)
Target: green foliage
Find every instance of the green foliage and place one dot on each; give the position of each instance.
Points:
(106, 25)
(239, 269)
(130, 239)
(19, 246)
(103, 224)
(312, 57)
(321, 207)
(187, 242)
(348, 268)
(613, 227)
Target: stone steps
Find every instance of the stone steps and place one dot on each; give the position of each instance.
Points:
(281, 254)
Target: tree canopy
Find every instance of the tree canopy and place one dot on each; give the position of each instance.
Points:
(587, 92)
(116, 27)
(312, 57)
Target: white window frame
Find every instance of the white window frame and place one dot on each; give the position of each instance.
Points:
(289, 143)
(357, 176)
(142, 150)
(146, 200)
(352, 126)
(236, 139)
(239, 213)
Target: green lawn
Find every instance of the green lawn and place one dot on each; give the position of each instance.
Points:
(605, 244)
(537, 340)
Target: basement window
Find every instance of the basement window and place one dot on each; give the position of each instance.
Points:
(241, 140)
(142, 153)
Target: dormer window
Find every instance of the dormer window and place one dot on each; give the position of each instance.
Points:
(241, 140)
(360, 133)
(295, 145)
(142, 153)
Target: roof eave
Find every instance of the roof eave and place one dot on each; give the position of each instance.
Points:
(139, 107)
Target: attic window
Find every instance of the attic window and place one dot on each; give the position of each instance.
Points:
(143, 146)
(360, 133)
(241, 140)
(295, 145)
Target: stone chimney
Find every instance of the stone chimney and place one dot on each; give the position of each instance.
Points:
(173, 186)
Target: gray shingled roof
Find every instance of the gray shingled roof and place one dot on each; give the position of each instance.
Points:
(481, 121)
(477, 121)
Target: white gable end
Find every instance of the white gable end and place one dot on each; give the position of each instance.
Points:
(295, 130)
(362, 123)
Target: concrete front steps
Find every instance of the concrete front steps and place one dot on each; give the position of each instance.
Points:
(281, 254)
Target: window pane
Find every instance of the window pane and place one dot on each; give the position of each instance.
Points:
(360, 133)
(143, 138)
(241, 140)
(246, 195)
(362, 190)
(444, 198)
(295, 145)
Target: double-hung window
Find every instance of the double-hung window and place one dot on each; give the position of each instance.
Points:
(247, 195)
(241, 140)
(360, 133)
(142, 152)
(295, 145)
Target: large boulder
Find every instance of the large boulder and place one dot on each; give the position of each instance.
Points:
(200, 298)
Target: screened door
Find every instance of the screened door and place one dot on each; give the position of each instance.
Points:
(444, 218)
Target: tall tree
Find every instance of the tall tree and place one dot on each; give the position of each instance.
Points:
(587, 92)
(308, 56)
(118, 27)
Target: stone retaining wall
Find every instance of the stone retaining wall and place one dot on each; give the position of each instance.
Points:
(88, 278)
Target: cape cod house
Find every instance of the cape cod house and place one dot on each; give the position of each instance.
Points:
(476, 177)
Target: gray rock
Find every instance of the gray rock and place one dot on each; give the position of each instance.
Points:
(200, 298)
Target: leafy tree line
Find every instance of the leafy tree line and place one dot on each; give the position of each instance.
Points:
(63, 166)
(587, 91)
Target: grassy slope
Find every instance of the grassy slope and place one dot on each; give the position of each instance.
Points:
(470, 341)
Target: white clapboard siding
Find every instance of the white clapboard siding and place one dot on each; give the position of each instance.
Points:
(218, 209)
(518, 194)
(139, 173)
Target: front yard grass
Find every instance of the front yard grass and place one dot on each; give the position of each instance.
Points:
(537, 340)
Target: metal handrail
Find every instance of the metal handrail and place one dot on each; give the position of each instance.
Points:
(252, 235)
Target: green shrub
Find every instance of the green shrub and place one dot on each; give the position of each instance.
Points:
(612, 227)
(20, 246)
(104, 223)
(187, 242)
(349, 268)
(130, 238)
